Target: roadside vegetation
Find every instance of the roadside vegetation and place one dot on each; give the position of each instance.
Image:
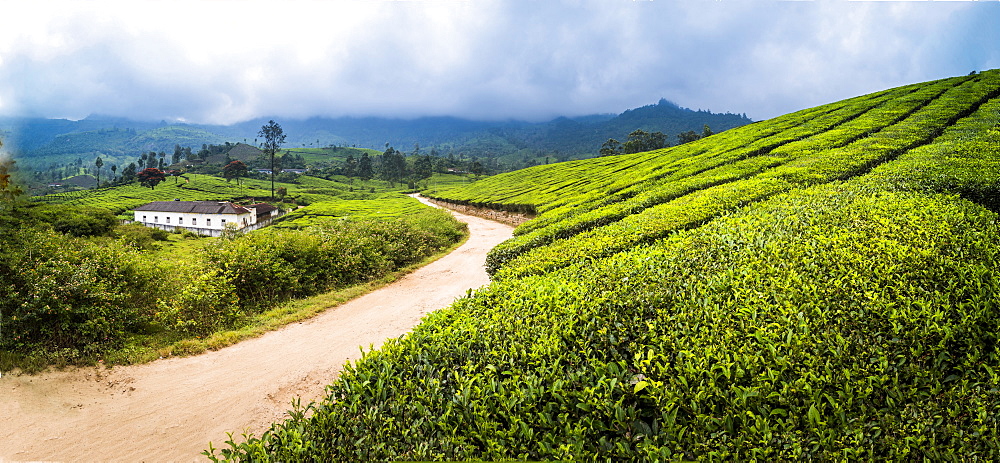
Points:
(822, 285)
(77, 287)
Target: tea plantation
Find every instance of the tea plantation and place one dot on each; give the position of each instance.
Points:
(822, 285)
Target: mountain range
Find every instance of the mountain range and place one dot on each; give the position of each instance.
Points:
(37, 142)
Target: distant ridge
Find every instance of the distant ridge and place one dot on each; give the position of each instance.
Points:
(44, 141)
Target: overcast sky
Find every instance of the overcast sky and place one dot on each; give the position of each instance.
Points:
(225, 61)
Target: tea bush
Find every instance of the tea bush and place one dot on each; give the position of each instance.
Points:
(826, 323)
(920, 120)
(818, 287)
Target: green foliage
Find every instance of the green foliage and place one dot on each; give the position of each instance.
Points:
(150, 177)
(273, 137)
(822, 286)
(611, 147)
(640, 140)
(810, 327)
(193, 187)
(139, 236)
(380, 206)
(75, 221)
(199, 304)
(77, 299)
(365, 171)
(392, 167)
(85, 222)
(273, 265)
(63, 293)
(9, 191)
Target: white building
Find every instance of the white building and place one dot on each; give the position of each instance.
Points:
(201, 217)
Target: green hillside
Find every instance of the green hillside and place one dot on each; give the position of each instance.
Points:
(822, 285)
(164, 139)
(335, 154)
(198, 187)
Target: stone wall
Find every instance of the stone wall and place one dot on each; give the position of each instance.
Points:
(509, 218)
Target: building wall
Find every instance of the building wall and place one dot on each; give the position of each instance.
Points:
(203, 224)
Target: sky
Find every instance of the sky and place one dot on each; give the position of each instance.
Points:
(227, 61)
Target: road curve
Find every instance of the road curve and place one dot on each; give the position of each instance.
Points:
(170, 409)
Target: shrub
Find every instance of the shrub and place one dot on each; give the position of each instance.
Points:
(139, 236)
(76, 221)
(202, 303)
(64, 293)
(272, 265)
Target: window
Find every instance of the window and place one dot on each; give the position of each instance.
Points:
(180, 220)
(143, 218)
(156, 219)
(208, 222)
(223, 222)
(168, 219)
(194, 221)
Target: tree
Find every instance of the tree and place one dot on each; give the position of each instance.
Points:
(393, 166)
(706, 131)
(477, 168)
(235, 169)
(609, 148)
(273, 138)
(114, 170)
(687, 137)
(365, 167)
(129, 173)
(177, 154)
(640, 141)
(151, 177)
(423, 168)
(350, 167)
(9, 191)
(99, 163)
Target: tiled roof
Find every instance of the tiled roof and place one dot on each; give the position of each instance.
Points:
(194, 207)
(263, 208)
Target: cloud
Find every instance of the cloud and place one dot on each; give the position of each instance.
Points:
(223, 61)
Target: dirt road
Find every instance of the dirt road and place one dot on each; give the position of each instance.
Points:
(170, 409)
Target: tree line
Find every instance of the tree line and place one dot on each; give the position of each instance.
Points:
(397, 167)
(640, 141)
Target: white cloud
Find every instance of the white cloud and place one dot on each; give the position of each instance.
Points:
(227, 60)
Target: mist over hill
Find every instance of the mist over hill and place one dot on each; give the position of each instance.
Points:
(40, 142)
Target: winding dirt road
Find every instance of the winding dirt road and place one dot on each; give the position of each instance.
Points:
(169, 410)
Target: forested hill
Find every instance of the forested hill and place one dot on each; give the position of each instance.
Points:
(823, 285)
(46, 141)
